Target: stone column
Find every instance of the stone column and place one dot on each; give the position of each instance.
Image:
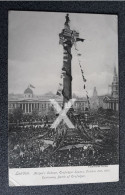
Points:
(117, 106)
(113, 105)
(28, 107)
(25, 107)
(31, 107)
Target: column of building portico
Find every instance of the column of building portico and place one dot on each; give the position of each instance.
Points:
(28, 107)
(38, 106)
(84, 106)
(25, 107)
(112, 105)
(117, 106)
(31, 107)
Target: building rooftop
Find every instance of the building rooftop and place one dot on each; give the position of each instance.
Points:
(28, 90)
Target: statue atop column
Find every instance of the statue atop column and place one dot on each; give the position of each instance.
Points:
(67, 19)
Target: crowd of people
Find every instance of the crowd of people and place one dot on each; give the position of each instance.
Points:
(29, 155)
(37, 145)
(31, 118)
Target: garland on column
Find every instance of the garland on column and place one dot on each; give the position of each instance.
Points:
(60, 90)
(82, 72)
(64, 72)
(63, 41)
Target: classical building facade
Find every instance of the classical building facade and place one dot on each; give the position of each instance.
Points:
(28, 102)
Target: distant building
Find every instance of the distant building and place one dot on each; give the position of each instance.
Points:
(112, 101)
(94, 100)
(29, 101)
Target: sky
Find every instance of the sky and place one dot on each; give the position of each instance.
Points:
(35, 56)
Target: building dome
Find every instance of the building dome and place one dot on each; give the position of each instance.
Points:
(28, 91)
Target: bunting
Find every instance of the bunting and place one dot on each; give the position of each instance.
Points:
(79, 39)
(74, 39)
(60, 87)
(83, 77)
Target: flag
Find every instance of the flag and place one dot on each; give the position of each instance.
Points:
(79, 39)
(58, 93)
(31, 86)
(79, 54)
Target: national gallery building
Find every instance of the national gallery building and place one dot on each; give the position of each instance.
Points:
(28, 102)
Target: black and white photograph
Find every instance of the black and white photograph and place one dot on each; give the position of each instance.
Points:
(63, 97)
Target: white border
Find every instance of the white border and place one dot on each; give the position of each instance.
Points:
(63, 175)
